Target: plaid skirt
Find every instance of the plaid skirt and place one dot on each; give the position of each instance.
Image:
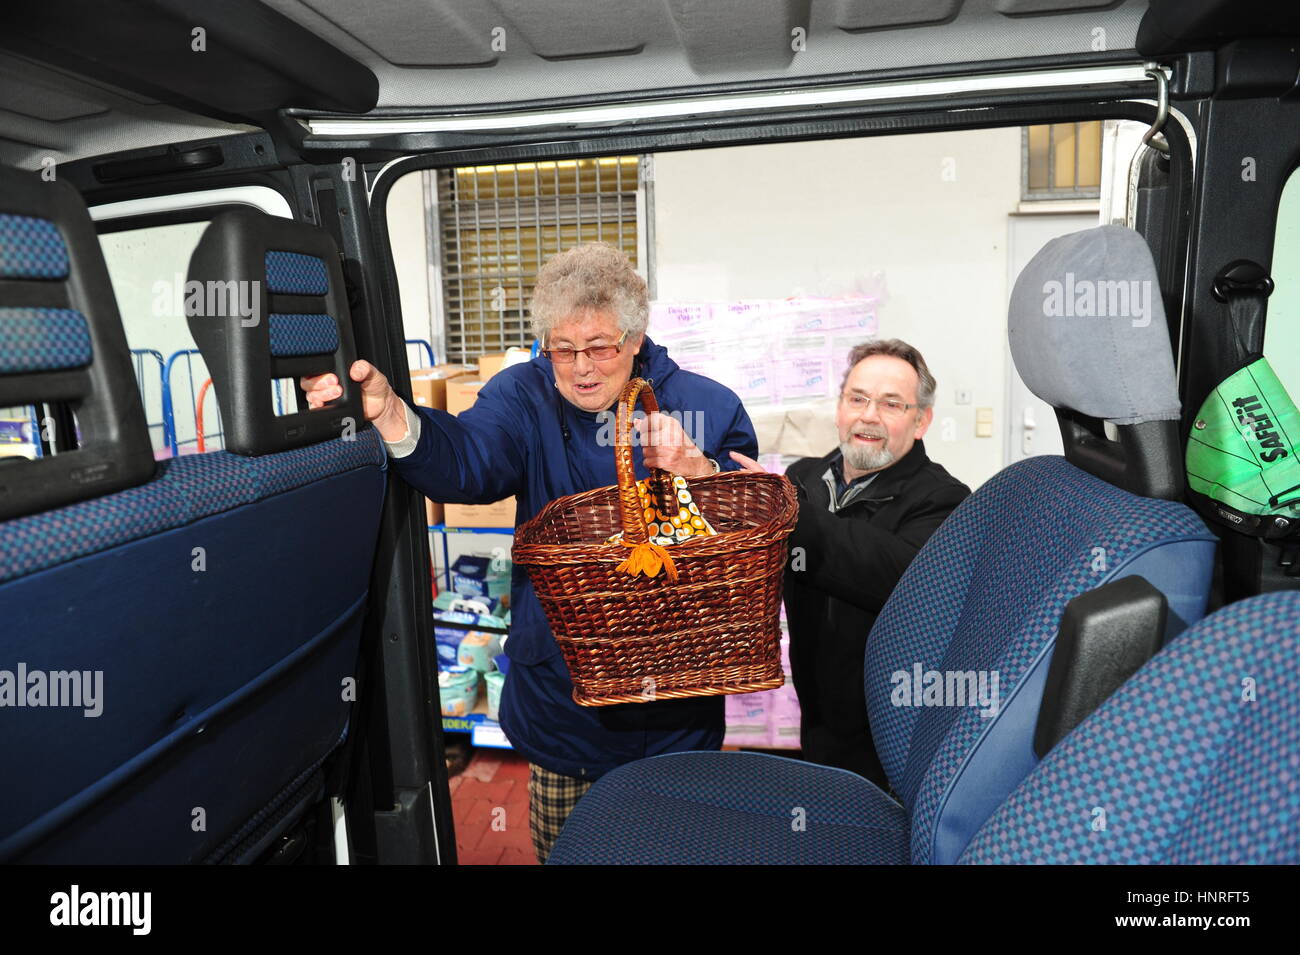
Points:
(551, 797)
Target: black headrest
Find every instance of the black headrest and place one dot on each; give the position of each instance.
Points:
(270, 303)
(61, 342)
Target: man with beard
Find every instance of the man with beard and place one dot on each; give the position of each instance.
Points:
(865, 509)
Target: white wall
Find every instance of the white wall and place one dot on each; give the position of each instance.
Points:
(921, 218)
(406, 229)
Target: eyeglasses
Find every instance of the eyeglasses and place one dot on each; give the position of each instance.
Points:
(567, 356)
(888, 407)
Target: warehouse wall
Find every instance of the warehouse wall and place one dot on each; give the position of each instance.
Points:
(920, 219)
(406, 228)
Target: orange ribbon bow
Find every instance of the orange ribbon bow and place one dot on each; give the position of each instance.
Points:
(648, 558)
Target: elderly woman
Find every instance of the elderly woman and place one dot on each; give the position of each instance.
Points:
(538, 431)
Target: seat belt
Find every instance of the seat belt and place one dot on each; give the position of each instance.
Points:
(1243, 468)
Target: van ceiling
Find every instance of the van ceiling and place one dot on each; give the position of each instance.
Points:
(48, 113)
(90, 94)
(440, 54)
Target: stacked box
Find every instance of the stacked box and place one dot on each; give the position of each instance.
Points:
(452, 627)
(784, 717)
(473, 576)
(747, 719)
(462, 392)
(672, 322)
(429, 390)
(768, 720)
(458, 689)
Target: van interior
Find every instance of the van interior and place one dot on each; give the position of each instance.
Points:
(252, 582)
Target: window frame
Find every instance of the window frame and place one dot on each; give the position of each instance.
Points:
(1053, 192)
(1016, 110)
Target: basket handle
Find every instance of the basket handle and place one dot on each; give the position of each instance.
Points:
(646, 557)
(629, 503)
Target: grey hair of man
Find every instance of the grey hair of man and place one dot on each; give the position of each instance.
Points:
(593, 277)
(897, 348)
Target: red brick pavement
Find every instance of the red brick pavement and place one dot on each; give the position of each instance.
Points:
(489, 803)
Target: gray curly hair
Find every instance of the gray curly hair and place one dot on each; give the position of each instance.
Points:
(594, 276)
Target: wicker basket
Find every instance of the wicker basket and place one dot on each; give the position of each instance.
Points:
(708, 624)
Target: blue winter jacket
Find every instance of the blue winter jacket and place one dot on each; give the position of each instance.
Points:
(522, 437)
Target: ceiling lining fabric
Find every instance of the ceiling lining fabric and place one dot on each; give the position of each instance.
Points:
(439, 54)
(572, 48)
(113, 120)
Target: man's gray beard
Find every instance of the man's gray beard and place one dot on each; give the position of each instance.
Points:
(862, 458)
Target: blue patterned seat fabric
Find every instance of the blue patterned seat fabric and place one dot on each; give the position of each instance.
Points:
(732, 809)
(986, 593)
(294, 273)
(185, 490)
(295, 334)
(1195, 760)
(31, 248)
(42, 339)
(37, 339)
(219, 647)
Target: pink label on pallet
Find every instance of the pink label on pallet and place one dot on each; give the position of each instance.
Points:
(752, 380)
(803, 376)
(835, 315)
(669, 320)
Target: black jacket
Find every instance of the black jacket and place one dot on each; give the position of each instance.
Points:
(843, 567)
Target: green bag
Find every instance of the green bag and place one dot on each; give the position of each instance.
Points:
(1241, 454)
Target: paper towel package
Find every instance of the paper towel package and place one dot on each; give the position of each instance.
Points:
(803, 377)
(747, 719)
(670, 321)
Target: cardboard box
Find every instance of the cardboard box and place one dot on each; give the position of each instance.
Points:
(462, 392)
(500, 514)
(429, 385)
(429, 390)
(489, 365)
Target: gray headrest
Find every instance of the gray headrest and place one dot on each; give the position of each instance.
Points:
(1087, 328)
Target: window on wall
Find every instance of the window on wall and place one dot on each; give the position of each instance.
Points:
(498, 224)
(1061, 161)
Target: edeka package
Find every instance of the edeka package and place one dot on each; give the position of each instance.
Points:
(451, 627)
(458, 690)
